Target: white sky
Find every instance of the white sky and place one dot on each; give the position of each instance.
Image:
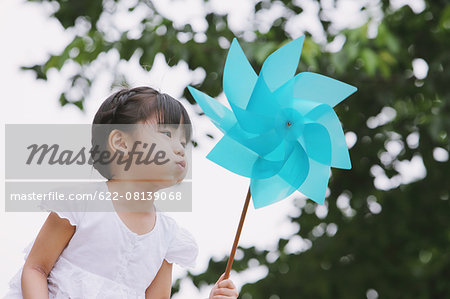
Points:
(28, 35)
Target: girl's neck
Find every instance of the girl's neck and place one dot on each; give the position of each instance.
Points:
(132, 195)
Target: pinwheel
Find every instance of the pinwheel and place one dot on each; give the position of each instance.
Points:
(281, 131)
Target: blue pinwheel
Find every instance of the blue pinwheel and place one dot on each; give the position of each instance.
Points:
(282, 131)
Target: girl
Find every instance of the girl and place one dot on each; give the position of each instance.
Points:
(127, 253)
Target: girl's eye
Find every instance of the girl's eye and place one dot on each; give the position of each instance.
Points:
(170, 134)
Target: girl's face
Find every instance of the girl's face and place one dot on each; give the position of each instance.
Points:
(158, 154)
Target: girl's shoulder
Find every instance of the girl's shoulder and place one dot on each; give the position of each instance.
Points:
(167, 223)
(182, 246)
(72, 200)
(171, 228)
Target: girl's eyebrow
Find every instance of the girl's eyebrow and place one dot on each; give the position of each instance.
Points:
(164, 126)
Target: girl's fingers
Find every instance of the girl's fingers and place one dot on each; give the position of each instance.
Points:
(224, 289)
(227, 283)
(221, 278)
(227, 293)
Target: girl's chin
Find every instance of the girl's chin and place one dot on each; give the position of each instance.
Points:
(174, 179)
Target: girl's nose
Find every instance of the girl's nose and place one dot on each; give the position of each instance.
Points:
(179, 150)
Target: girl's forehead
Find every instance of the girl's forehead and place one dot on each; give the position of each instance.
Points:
(174, 128)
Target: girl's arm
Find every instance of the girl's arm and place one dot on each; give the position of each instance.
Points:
(53, 237)
(161, 286)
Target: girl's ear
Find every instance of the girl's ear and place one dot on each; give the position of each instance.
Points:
(118, 141)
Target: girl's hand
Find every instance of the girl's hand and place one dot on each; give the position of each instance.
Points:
(224, 289)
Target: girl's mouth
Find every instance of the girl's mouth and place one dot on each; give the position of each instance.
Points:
(181, 164)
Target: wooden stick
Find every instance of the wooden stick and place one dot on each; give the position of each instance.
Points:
(238, 234)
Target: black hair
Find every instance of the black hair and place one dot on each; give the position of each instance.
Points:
(131, 106)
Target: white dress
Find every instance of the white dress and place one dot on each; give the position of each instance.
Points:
(105, 259)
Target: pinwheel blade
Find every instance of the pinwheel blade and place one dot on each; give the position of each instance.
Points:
(268, 191)
(318, 143)
(262, 144)
(281, 65)
(326, 116)
(220, 115)
(315, 185)
(322, 89)
(239, 78)
(289, 179)
(251, 121)
(267, 103)
(239, 159)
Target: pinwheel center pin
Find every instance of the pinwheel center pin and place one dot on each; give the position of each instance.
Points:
(288, 123)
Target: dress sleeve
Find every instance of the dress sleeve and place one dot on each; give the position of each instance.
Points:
(63, 211)
(72, 210)
(183, 249)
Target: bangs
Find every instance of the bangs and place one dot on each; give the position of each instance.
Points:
(169, 111)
